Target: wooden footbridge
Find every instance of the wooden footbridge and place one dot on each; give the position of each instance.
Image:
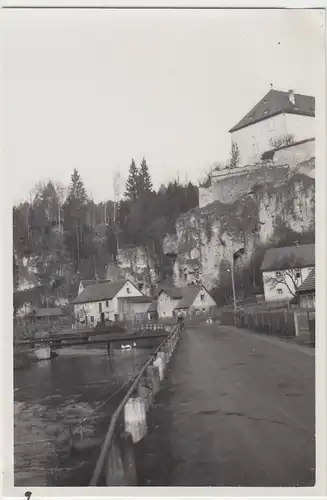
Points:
(148, 336)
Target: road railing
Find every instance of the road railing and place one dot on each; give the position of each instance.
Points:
(116, 464)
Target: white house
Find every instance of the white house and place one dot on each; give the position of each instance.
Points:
(284, 270)
(100, 301)
(196, 300)
(168, 298)
(277, 115)
(188, 300)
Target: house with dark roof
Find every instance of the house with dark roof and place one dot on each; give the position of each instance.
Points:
(307, 292)
(99, 302)
(278, 117)
(168, 298)
(284, 270)
(195, 300)
(190, 299)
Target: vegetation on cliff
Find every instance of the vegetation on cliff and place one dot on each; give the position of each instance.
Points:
(62, 235)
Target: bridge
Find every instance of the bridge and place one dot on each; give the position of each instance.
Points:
(98, 336)
(236, 408)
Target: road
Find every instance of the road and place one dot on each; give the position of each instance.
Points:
(236, 409)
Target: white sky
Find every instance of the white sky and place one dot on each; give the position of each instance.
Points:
(92, 89)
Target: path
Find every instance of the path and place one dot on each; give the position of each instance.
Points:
(237, 409)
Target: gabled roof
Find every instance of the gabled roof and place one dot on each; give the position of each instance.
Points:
(172, 292)
(189, 295)
(86, 283)
(274, 103)
(138, 299)
(46, 312)
(288, 257)
(309, 284)
(100, 291)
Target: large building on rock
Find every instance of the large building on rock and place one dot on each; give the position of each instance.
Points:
(277, 118)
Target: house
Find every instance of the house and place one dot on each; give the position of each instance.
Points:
(168, 298)
(285, 269)
(277, 116)
(307, 292)
(45, 315)
(99, 302)
(191, 299)
(134, 308)
(195, 300)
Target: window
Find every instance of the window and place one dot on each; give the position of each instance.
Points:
(278, 274)
(202, 297)
(100, 307)
(107, 303)
(127, 290)
(279, 291)
(92, 319)
(297, 273)
(185, 276)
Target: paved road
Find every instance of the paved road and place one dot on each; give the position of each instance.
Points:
(237, 409)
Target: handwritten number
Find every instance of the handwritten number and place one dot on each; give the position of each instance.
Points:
(28, 495)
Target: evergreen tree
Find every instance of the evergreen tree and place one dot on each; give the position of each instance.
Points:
(145, 182)
(77, 191)
(132, 183)
(235, 156)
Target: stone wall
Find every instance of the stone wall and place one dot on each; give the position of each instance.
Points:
(292, 155)
(228, 185)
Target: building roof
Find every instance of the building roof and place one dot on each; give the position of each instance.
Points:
(172, 292)
(140, 299)
(46, 312)
(86, 283)
(99, 291)
(309, 284)
(274, 103)
(288, 257)
(189, 295)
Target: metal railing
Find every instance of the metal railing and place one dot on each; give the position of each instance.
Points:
(118, 446)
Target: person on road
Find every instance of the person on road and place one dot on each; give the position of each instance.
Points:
(180, 320)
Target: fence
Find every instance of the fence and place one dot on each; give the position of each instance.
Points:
(116, 463)
(278, 322)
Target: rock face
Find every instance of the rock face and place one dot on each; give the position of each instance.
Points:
(254, 207)
(137, 264)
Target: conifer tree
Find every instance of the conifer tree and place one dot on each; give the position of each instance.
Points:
(132, 183)
(145, 182)
(77, 191)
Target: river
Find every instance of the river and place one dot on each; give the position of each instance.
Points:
(82, 382)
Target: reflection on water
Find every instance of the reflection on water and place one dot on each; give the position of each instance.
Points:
(51, 394)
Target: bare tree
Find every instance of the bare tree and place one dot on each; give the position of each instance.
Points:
(287, 274)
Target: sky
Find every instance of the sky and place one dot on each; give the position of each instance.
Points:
(93, 89)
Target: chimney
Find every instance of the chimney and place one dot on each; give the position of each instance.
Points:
(291, 96)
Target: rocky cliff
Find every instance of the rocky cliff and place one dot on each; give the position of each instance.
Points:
(260, 204)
